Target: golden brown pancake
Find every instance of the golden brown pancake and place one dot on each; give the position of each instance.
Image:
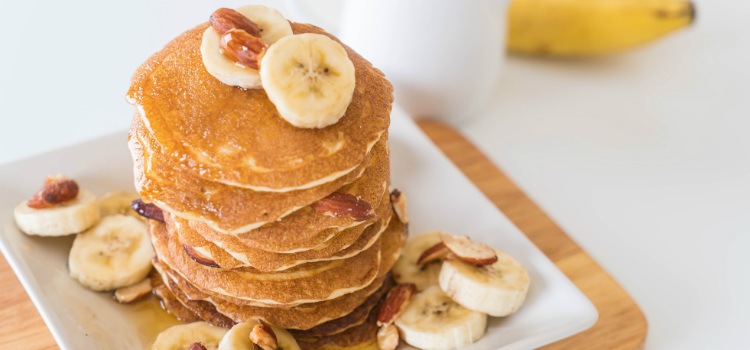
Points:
(344, 245)
(355, 336)
(231, 209)
(391, 240)
(237, 137)
(331, 316)
(187, 310)
(306, 283)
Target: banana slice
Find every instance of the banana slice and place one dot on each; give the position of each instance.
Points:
(498, 289)
(63, 219)
(273, 26)
(118, 202)
(115, 253)
(238, 338)
(406, 269)
(310, 79)
(180, 337)
(432, 320)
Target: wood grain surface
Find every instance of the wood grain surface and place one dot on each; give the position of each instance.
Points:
(621, 324)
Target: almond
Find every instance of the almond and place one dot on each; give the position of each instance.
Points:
(56, 190)
(395, 303)
(342, 205)
(131, 294)
(147, 210)
(398, 201)
(243, 48)
(436, 252)
(198, 257)
(224, 20)
(197, 346)
(388, 337)
(467, 250)
(263, 336)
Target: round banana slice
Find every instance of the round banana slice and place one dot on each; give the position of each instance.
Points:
(273, 26)
(498, 289)
(180, 337)
(310, 79)
(118, 202)
(115, 253)
(63, 219)
(432, 320)
(406, 269)
(238, 338)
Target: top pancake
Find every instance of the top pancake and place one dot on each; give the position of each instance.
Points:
(236, 136)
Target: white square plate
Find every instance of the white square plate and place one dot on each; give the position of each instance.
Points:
(440, 197)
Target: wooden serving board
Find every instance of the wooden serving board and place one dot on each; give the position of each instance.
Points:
(621, 323)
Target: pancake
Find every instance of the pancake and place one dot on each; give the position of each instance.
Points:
(187, 310)
(334, 315)
(356, 336)
(345, 245)
(237, 137)
(306, 283)
(231, 209)
(392, 240)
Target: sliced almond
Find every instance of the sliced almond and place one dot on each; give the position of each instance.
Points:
(395, 303)
(436, 252)
(467, 250)
(388, 337)
(199, 258)
(130, 294)
(263, 336)
(398, 201)
(341, 205)
(147, 210)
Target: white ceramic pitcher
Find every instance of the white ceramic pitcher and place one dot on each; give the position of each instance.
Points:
(442, 56)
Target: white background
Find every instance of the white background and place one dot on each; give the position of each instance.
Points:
(643, 158)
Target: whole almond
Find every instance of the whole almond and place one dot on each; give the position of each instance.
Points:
(56, 190)
(395, 303)
(224, 20)
(263, 336)
(243, 48)
(147, 210)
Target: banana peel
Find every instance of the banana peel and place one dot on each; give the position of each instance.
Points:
(592, 27)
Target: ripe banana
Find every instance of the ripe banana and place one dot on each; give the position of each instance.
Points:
(406, 269)
(432, 320)
(118, 202)
(585, 27)
(115, 253)
(498, 289)
(272, 25)
(238, 338)
(180, 337)
(63, 219)
(310, 79)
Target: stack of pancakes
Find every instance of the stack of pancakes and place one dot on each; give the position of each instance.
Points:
(254, 225)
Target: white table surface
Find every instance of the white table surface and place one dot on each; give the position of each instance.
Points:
(643, 158)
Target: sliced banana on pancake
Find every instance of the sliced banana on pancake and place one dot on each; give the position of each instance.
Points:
(115, 253)
(239, 337)
(406, 269)
(310, 79)
(432, 320)
(118, 202)
(272, 25)
(181, 337)
(62, 219)
(497, 289)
